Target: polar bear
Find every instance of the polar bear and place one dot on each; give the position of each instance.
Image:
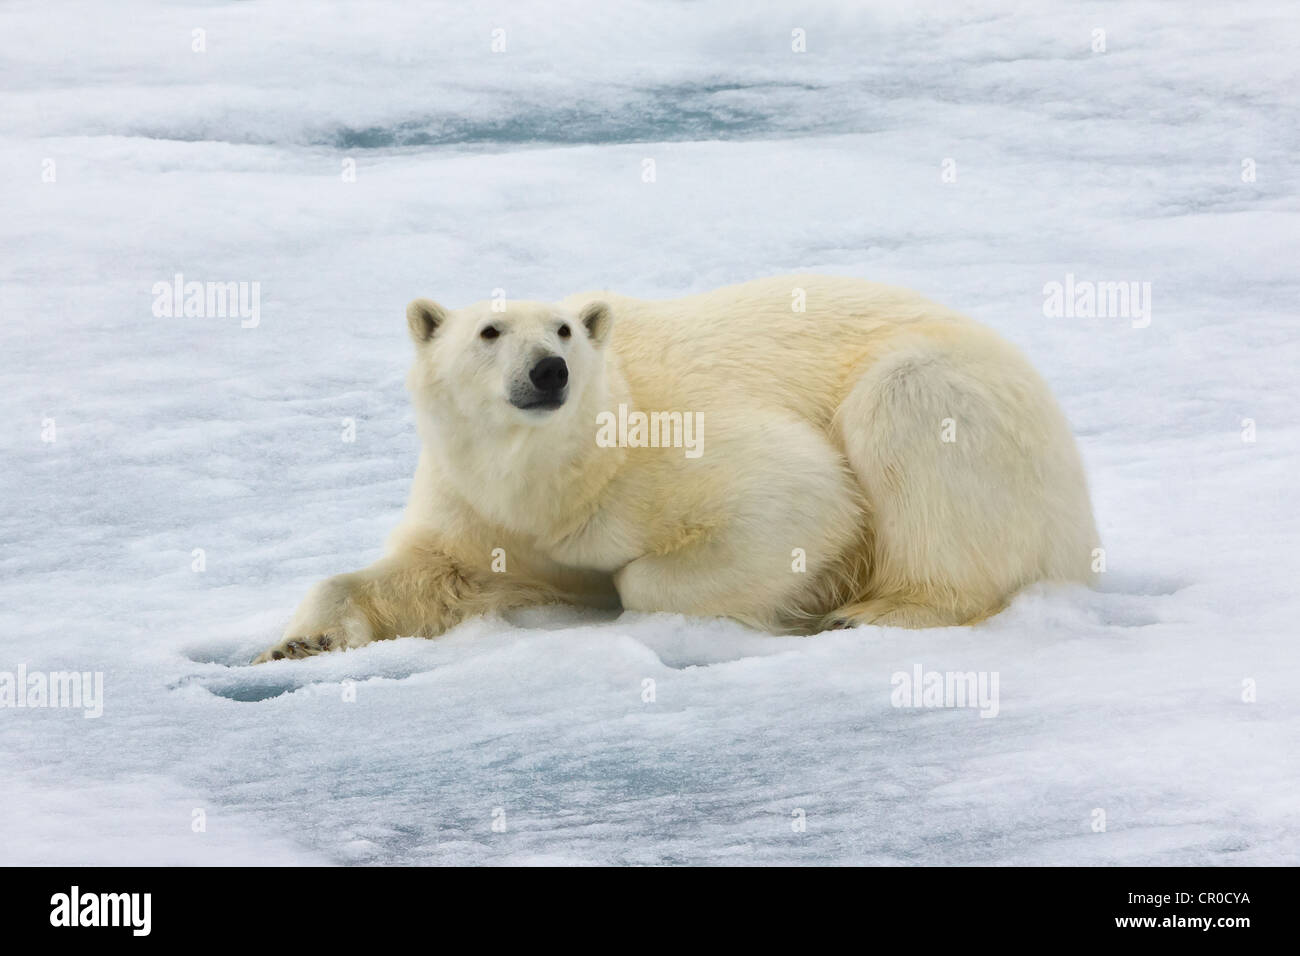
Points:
(856, 455)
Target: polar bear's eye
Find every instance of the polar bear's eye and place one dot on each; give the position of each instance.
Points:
(564, 332)
(489, 332)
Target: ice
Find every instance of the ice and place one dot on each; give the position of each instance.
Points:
(523, 171)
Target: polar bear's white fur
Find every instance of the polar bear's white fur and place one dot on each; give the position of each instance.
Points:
(872, 459)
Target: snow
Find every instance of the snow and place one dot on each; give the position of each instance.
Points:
(523, 170)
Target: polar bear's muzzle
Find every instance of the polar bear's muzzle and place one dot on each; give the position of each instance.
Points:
(547, 387)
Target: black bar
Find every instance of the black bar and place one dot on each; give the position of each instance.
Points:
(332, 905)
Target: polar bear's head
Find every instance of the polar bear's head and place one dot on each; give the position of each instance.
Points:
(530, 364)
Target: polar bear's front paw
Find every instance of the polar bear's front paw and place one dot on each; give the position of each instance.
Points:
(295, 647)
(328, 620)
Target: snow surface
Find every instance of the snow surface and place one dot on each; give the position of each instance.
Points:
(522, 171)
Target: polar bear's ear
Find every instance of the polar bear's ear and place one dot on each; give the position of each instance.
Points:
(598, 320)
(423, 316)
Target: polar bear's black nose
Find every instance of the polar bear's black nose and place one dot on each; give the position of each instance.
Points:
(550, 374)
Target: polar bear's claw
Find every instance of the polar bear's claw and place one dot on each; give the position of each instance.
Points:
(297, 647)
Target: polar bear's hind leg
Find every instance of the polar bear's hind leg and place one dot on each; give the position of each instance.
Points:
(973, 481)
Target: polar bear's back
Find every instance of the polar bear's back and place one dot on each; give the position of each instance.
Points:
(796, 342)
